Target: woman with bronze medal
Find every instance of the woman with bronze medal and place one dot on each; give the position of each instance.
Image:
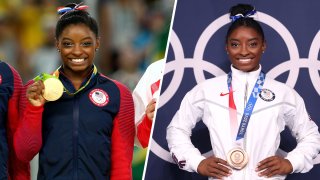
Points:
(245, 112)
(79, 121)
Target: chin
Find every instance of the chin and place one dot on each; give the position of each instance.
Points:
(79, 68)
(247, 69)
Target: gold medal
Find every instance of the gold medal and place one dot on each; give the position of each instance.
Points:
(53, 89)
(237, 158)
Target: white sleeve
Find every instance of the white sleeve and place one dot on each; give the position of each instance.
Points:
(306, 133)
(141, 97)
(179, 131)
(142, 94)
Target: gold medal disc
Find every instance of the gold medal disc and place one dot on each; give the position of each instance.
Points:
(53, 89)
(237, 158)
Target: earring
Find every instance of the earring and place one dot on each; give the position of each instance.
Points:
(262, 52)
(96, 49)
(58, 50)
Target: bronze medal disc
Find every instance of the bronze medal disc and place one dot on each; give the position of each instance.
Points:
(237, 158)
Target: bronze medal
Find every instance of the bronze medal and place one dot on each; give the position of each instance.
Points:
(237, 158)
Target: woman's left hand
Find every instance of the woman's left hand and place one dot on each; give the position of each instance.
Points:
(274, 165)
(151, 107)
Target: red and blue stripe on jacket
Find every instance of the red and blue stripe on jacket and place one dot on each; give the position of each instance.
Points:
(10, 89)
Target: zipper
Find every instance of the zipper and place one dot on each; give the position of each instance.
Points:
(244, 138)
(75, 135)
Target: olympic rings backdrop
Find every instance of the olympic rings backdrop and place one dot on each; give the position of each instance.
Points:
(196, 52)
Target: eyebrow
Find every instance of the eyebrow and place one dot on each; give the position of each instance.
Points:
(66, 38)
(248, 40)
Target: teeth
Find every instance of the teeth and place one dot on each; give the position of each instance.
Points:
(77, 60)
(244, 60)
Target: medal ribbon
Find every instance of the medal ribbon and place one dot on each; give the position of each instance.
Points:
(43, 77)
(56, 74)
(249, 107)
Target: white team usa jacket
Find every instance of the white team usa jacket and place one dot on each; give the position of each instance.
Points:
(277, 106)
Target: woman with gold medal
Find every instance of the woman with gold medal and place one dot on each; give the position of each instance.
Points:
(79, 121)
(245, 112)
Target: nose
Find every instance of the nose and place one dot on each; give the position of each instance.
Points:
(244, 50)
(77, 50)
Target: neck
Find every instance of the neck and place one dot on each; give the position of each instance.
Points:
(77, 78)
(247, 71)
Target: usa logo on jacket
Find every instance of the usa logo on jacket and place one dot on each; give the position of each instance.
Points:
(99, 97)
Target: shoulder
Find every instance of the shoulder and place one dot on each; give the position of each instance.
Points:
(215, 83)
(156, 68)
(8, 73)
(6, 70)
(111, 82)
(280, 89)
(6, 66)
(279, 86)
(157, 64)
(208, 87)
(3, 64)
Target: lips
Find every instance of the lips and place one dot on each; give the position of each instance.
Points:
(245, 60)
(77, 60)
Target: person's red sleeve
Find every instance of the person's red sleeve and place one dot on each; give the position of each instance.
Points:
(122, 140)
(143, 131)
(28, 136)
(16, 168)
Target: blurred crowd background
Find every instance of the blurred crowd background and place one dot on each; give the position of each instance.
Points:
(133, 34)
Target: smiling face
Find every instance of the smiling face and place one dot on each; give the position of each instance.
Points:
(245, 47)
(77, 44)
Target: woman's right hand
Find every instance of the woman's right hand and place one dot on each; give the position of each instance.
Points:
(214, 167)
(34, 93)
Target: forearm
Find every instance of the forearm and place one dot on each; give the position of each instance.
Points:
(183, 152)
(144, 130)
(17, 169)
(122, 139)
(27, 138)
(306, 133)
(306, 150)
(121, 154)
